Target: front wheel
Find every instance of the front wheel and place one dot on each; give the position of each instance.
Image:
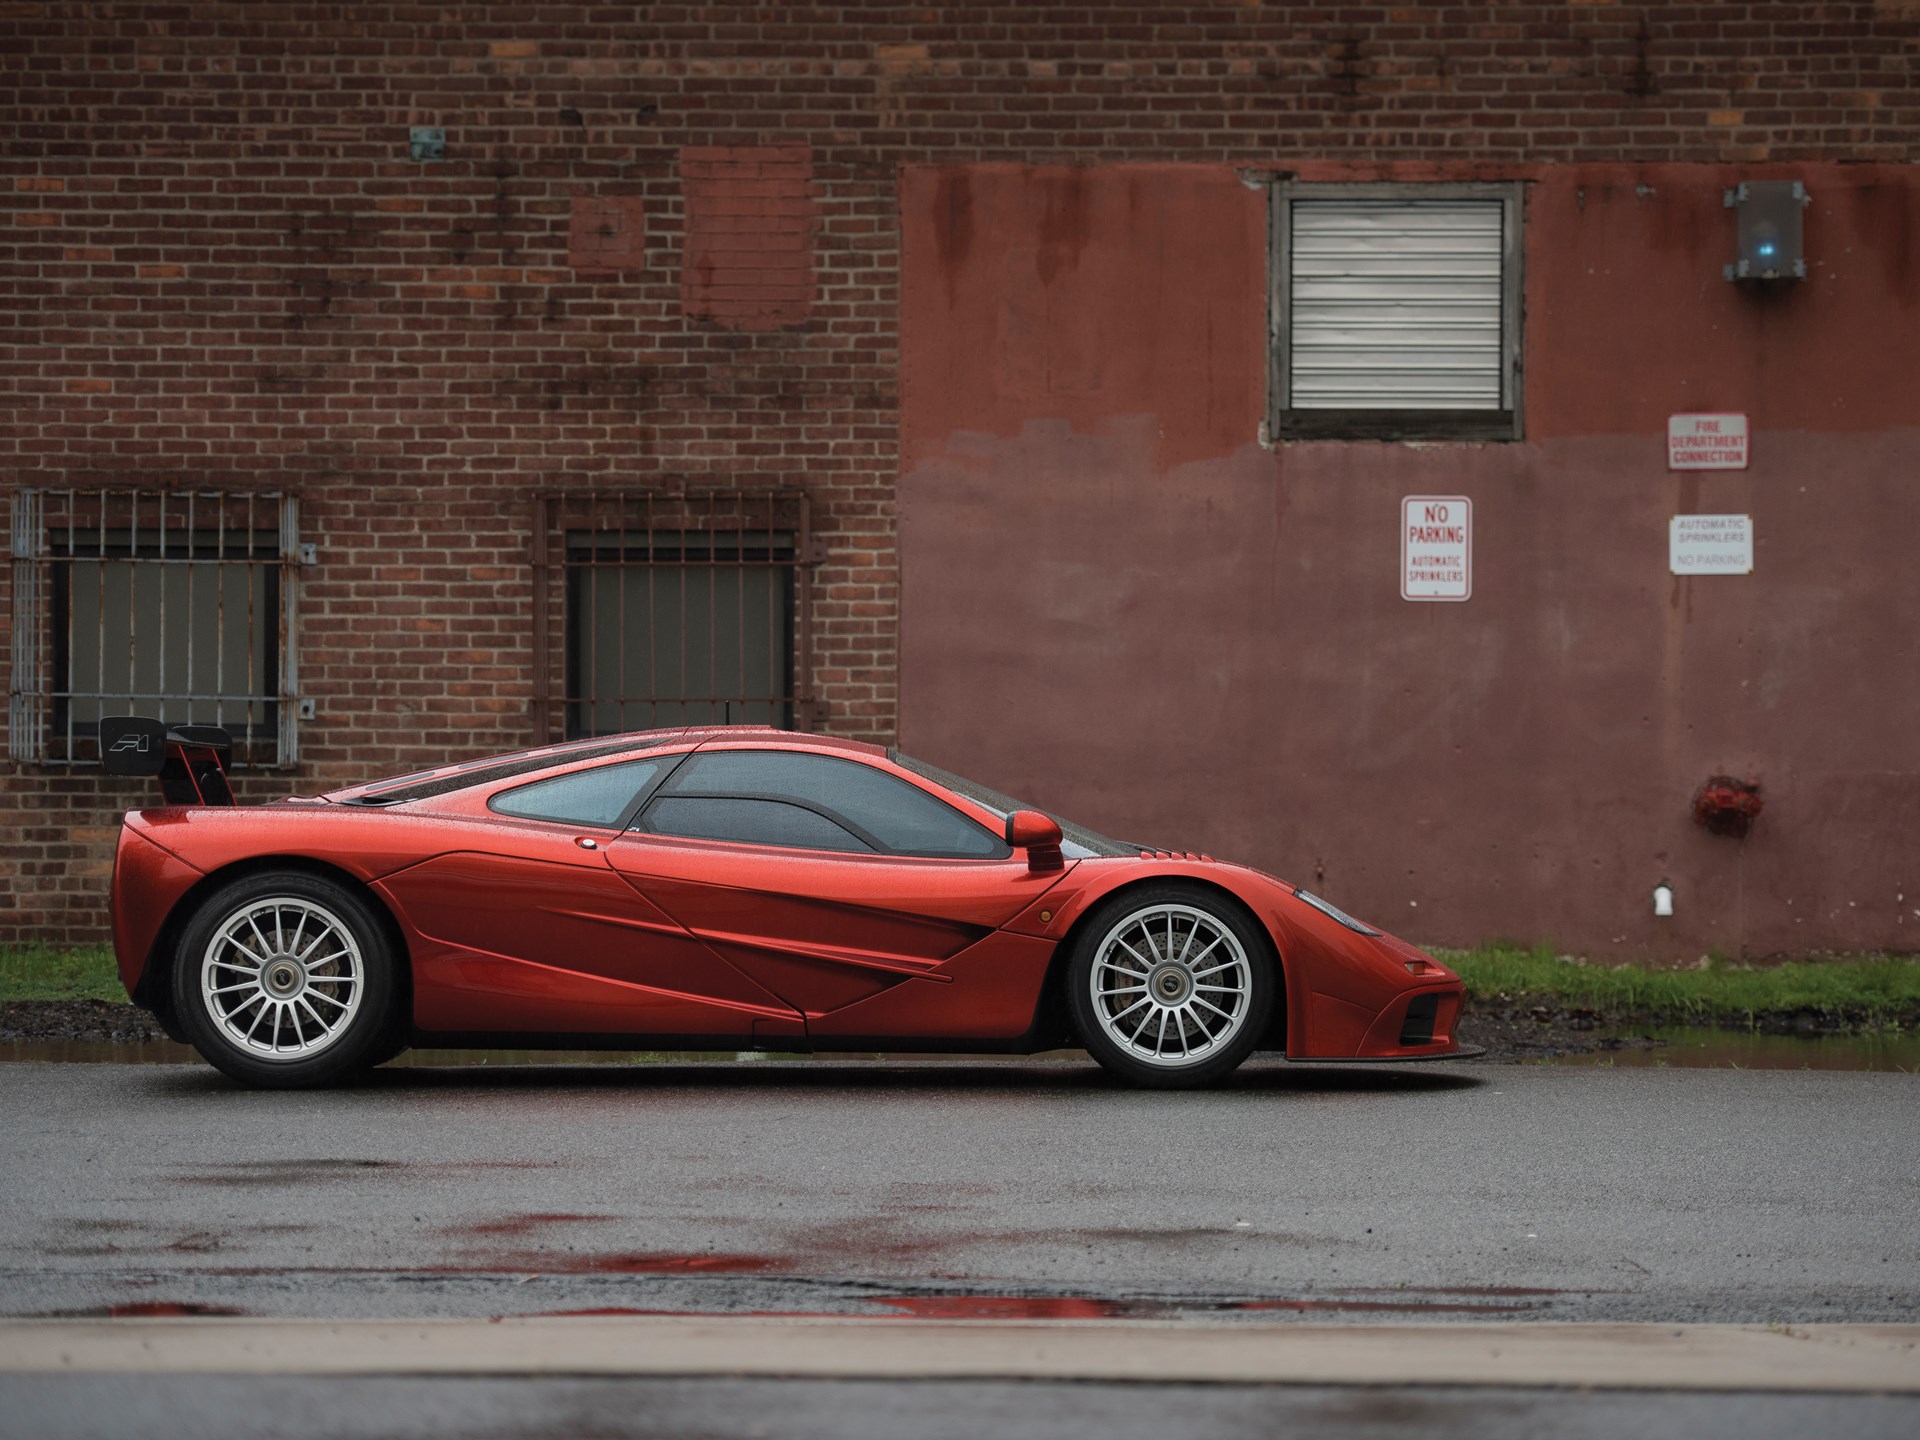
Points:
(1170, 986)
(286, 980)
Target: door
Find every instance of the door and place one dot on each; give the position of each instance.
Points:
(826, 879)
(528, 931)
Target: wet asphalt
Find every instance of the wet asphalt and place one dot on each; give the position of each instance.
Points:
(966, 1190)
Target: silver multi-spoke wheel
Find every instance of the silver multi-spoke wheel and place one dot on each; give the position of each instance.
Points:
(282, 977)
(1170, 984)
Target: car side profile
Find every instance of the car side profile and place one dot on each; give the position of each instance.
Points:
(728, 888)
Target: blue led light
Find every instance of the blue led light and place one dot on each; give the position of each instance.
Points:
(1766, 248)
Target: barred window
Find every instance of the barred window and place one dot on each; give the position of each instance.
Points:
(670, 609)
(172, 604)
(1396, 312)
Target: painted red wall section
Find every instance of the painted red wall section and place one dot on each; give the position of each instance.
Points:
(1629, 319)
(1078, 296)
(748, 261)
(1119, 603)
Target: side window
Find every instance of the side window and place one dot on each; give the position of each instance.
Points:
(881, 811)
(587, 797)
(749, 821)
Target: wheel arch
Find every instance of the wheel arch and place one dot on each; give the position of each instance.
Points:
(155, 990)
(1053, 1001)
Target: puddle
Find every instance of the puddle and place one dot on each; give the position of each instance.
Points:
(966, 1305)
(1684, 1047)
(976, 1305)
(148, 1310)
(647, 1262)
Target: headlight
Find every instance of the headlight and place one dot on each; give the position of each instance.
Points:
(1334, 912)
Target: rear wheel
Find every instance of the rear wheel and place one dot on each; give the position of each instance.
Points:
(1170, 986)
(286, 980)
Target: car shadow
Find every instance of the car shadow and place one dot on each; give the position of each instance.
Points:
(1260, 1076)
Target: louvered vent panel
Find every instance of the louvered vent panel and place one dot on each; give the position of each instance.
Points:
(1395, 305)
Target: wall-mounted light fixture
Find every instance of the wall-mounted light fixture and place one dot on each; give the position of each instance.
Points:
(1768, 238)
(1663, 899)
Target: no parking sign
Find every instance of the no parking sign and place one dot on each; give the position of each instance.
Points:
(1436, 547)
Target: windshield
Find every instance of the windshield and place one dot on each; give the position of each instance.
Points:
(1076, 842)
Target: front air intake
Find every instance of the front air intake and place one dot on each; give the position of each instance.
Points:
(1417, 1028)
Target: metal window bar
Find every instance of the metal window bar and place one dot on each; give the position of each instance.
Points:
(671, 608)
(176, 604)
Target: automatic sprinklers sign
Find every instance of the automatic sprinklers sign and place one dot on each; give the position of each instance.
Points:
(1710, 545)
(1436, 547)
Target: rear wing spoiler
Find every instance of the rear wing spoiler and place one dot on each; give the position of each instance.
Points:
(191, 760)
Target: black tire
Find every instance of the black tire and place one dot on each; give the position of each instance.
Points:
(1122, 936)
(294, 986)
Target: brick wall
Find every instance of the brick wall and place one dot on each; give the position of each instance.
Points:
(663, 249)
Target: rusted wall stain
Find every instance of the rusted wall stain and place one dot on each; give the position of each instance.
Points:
(1065, 223)
(952, 225)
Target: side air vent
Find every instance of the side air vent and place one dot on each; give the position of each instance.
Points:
(1417, 1028)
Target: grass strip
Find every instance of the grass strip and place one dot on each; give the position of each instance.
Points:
(1873, 990)
(58, 972)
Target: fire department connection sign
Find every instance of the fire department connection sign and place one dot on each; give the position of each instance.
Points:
(1436, 547)
(1706, 442)
(1710, 545)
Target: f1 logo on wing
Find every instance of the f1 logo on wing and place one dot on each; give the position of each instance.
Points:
(130, 745)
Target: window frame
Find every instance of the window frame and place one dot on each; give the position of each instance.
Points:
(1285, 423)
(55, 529)
(673, 551)
(575, 529)
(637, 823)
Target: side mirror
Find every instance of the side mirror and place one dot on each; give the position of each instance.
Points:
(1038, 835)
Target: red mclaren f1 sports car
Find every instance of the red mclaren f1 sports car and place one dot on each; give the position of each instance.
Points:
(732, 888)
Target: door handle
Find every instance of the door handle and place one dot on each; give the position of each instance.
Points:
(586, 842)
